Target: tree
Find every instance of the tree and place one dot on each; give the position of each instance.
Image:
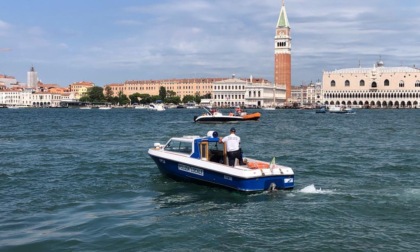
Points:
(94, 94)
(188, 98)
(155, 98)
(123, 99)
(145, 98)
(170, 93)
(206, 96)
(162, 93)
(174, 99)
(84, 98)
(197, 98)
(135, 98)
(109, 93)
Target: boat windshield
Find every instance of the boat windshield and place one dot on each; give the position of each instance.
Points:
(179, 146)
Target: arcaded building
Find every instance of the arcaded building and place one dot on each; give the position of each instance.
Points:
(376, 87)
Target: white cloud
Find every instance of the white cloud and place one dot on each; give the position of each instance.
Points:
(165, 39)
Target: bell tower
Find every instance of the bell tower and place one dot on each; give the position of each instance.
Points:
(282, 53)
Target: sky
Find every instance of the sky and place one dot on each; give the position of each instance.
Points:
(111, 41)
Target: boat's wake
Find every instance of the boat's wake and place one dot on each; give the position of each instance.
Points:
(312, 189)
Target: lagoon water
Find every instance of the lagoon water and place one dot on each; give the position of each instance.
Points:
(81, 180)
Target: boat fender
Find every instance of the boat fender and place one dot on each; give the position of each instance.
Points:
(272, 187)
(157, 146)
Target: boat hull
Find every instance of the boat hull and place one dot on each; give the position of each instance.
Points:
(192, 173)
(252, 117)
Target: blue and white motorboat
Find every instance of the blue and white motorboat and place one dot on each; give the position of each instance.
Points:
(204, 160)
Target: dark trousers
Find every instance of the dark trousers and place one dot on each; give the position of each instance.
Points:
(232, 155)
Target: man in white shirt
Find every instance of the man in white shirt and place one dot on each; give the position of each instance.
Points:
(232, 146)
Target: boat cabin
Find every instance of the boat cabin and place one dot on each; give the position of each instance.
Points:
(204, 148)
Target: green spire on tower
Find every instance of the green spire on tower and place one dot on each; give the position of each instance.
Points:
(283, 20)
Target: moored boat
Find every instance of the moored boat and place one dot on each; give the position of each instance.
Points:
(156, 107)
(204, 160)
(340, 109)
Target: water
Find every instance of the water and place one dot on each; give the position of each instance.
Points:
(81, 180)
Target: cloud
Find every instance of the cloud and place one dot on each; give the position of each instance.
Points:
(176, 39)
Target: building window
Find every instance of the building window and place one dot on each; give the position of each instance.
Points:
(386, 83)
(417, 83)
(362, 83)
(347, 83)
(401, 84)
(374, 85)
(333, 83)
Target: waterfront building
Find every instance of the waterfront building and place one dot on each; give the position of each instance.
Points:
(182, 87)
(80, 88)
(283, 53)
(299, 96)
(229, 93)
(7, 81)
(264, 95)
(32, 78)
(246, 93)
(377, 87)
(314, 94)
(44, 95)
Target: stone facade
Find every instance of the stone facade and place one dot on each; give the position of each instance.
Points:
(376, 87)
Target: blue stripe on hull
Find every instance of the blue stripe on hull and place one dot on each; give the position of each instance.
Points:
(197, 174)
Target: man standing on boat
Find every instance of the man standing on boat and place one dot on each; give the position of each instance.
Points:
(232, 146)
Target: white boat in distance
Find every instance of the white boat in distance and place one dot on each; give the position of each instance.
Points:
(140, 107)
(16, 106)
(340, 109)
(156, 107)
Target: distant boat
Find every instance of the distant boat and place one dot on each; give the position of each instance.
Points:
(321, 110)
(140, 107)
(191, 105)
(156, 107)
(16, 106)
(337, 109)
(214, 116)
(105, 108)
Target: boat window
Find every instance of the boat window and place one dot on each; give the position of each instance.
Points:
(179, 146)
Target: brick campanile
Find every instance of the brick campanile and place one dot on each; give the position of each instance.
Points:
(282, 53)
